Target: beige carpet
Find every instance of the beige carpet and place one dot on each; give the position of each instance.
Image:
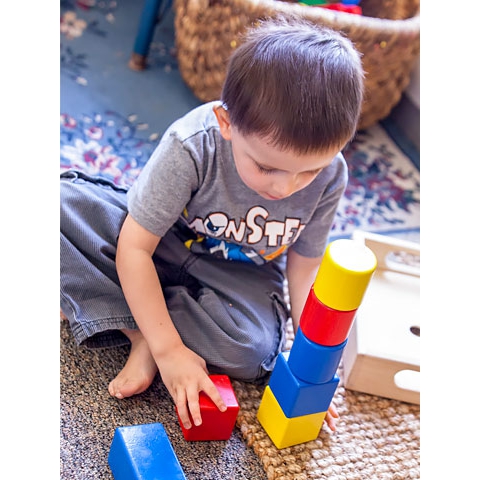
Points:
(89, 416)
(376, 438)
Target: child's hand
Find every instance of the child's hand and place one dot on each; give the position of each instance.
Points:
(331, 417)
(185, 374)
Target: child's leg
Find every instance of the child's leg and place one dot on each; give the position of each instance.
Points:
(91, 216)
(91, 299)
(230, 313)
(235, 315)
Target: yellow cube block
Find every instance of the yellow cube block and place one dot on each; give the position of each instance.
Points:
(283, 431)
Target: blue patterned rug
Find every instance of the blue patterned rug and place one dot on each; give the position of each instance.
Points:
(112, 117)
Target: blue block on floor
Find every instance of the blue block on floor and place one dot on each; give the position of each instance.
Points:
(296, 397)
(312, 362)
(143, 452)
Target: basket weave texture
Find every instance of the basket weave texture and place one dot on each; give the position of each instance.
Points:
(387, 35)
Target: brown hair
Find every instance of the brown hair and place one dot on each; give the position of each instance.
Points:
(298, 84)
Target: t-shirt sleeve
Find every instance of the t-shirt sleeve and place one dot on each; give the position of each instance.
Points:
(314, 237)
(164, 186)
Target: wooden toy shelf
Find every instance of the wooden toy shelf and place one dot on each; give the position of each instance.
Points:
(382, 355)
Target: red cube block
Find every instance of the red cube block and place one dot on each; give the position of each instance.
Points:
(216, 425)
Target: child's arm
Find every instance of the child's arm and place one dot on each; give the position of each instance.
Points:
(183, 372)
(301, 273)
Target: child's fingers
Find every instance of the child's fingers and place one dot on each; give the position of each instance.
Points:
(182, 410)
(194, 406)
(331, 421)
(211, 390)
(333, 411)
(331, 417)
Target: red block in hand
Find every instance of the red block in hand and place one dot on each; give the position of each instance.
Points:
(216, 425)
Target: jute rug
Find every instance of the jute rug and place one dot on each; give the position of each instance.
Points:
(376, 438)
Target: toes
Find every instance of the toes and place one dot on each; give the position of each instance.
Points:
(114, 391)
(125, 389)
(111, 389)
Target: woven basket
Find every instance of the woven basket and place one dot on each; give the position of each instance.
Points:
(387, 34)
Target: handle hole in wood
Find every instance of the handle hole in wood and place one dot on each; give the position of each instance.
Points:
(407, 380)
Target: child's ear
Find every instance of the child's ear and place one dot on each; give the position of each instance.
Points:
(223, 121)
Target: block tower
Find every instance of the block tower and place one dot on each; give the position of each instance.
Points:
(304, 380)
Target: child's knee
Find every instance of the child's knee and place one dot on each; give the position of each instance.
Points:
(252, 361)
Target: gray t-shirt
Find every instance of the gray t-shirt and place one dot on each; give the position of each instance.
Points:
(191, 180)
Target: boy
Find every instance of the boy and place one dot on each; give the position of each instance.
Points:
(188, 266)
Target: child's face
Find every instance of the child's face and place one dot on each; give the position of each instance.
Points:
(269, 171)
(273, 173)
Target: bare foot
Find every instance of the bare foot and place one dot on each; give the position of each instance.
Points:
(139, 371)
(62, 315)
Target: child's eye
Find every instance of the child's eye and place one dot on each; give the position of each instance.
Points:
(265, 171)
(313, 173)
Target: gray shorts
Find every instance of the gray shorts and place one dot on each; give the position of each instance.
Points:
(233, 314)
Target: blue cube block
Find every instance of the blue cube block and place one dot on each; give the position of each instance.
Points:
(312, 362)
(296, 397)
(143, 452)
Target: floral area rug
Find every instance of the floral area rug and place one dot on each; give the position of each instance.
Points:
(112, 117)
(383, 192)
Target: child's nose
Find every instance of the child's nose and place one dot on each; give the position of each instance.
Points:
(285, 186)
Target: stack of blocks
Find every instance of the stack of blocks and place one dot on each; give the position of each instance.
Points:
(304, 380)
